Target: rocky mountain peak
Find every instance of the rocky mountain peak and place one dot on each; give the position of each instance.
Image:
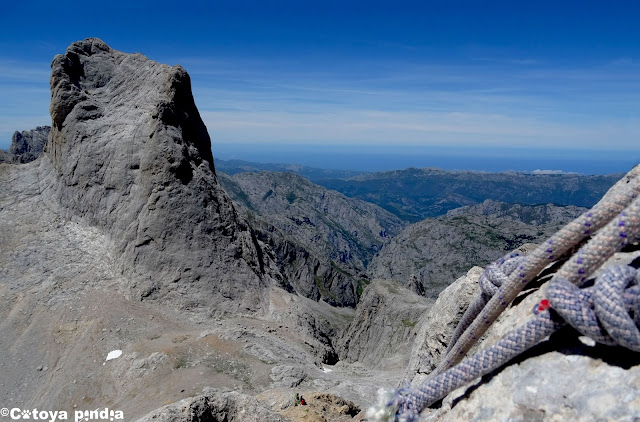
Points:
(133, 158)
(91, 78)
(26, 146)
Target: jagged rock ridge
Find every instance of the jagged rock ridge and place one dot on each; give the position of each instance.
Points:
(124, 187)
(346, 230)
(307, 273)
(125, 202)
(536, 215)
(340, 234)
(26, 146)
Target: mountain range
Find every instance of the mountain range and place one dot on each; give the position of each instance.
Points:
(415, 194)
(137, 275)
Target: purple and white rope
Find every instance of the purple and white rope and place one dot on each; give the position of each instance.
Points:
(601, 312)
(612, 205)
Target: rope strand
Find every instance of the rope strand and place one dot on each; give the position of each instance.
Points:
(572, 234)
(601, 312)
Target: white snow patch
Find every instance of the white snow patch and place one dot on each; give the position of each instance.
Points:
(326, 370)
(114, 354)
(206, 334)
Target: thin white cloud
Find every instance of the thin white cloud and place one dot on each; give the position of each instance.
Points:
(21, 71)
(539, 171)
(378, 127)
(510, 102)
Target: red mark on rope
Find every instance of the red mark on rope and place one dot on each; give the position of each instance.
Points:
(544, 305)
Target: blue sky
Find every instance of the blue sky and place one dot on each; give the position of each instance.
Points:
(463, 74)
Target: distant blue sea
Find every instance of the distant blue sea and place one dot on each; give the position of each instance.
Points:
(382, 158)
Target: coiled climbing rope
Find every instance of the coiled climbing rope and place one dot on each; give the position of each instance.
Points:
(613, 223)
(569, 236)
(493, 277)
(601, 312)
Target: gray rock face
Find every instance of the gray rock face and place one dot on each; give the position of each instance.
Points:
(560, 379)
(384, 325)
(321, 240)
(6, 157)
(110, 210)
(555, 386)
(287, 376)
(133, 158)
(435, 327)
(437, 251)
(348, 231)
(215, 406)
(26, 146)
(311, 275)
(125, 200)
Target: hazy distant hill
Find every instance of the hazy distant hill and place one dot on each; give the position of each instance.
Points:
(232, 167)
(415, 194)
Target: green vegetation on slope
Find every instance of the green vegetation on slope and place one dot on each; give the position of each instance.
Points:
(415, 194)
